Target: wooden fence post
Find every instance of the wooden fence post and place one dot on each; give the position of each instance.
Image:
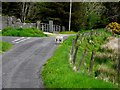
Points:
(74, 56)
(91, 62)
(77, 37)
(81, 59)
(72, 48)
(76, 48)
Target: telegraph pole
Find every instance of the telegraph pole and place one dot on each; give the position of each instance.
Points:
(70, 14)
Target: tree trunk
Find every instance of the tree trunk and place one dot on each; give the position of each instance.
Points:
(23, 6)
(25, 9)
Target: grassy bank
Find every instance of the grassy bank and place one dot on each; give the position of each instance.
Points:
(68, 32)
(22, 32)
(0, 33)
(4, 46)
(57, 72)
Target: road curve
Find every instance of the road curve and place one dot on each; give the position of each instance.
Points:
(22, 64)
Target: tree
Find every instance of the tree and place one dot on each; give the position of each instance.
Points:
(90, 14)
(26, 9)
(112, 12)
(20, 10)
(85, 15)
(56, 11)
(59, 12)
(11, 9)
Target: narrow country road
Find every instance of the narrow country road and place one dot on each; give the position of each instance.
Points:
(22, 64)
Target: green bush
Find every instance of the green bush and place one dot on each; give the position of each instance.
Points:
(114, 27)
(25, 32)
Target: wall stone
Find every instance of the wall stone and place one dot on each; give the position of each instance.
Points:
(14, 22)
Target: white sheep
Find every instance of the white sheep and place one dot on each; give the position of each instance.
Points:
(59, 39)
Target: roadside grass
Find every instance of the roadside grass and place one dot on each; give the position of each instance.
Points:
(4, 46)
(0, 33)
(57, 72)
(22, 32)
(68, 32)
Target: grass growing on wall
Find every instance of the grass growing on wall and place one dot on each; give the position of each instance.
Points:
(22, 32)
(57, 72)
(4, 46)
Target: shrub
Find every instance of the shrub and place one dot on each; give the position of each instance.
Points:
(114, 27)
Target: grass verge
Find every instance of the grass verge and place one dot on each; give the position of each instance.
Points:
(22, 32)
(0, 33)
(57, 72)
(68, 32)
(4, 46)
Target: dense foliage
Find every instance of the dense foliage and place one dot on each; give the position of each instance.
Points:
(85, 15)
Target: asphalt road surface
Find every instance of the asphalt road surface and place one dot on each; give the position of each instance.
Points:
(21, 65)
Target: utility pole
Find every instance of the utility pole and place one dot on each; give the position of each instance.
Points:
(70, 14)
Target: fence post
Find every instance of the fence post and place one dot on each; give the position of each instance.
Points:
(91, 62)
(72, 48)
(53, 28)
(63, 28)
(50, 26)
(42, 27)
(47, 27)
(38, 24)
(59, 28)
(81, 59)
(76, 48)
(77, 37)
(74, 56)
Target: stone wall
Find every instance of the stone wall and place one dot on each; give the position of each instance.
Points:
(45, 27)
